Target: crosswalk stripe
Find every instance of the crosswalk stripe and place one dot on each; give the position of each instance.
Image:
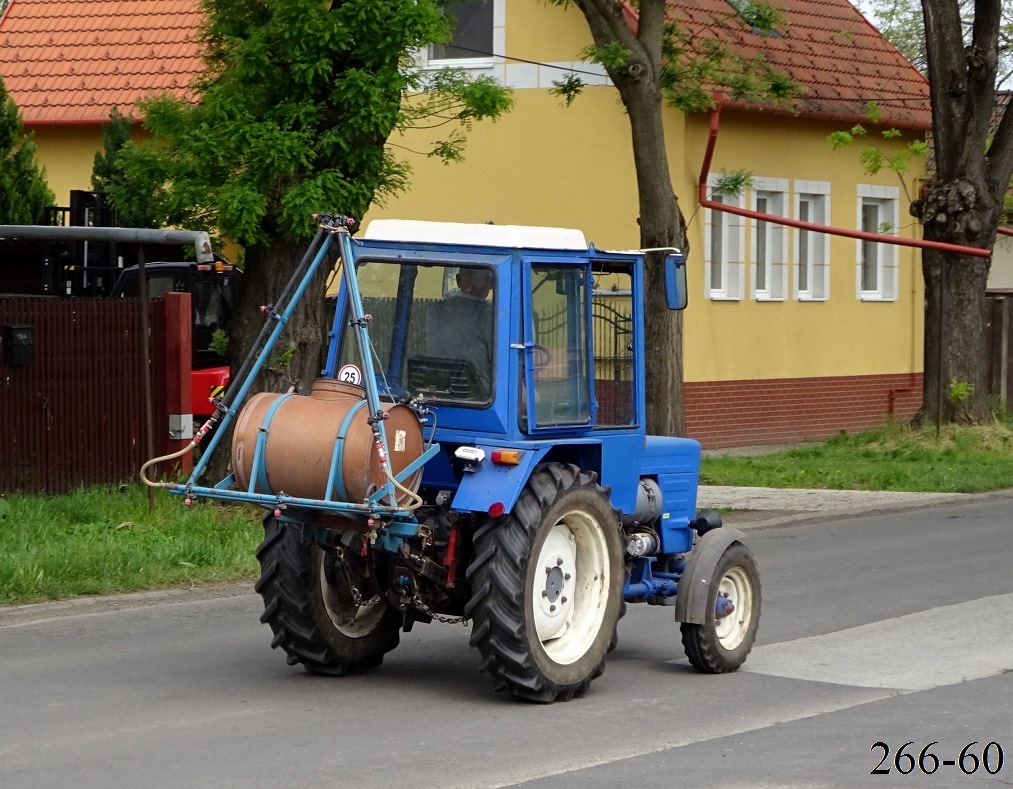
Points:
(929, 649)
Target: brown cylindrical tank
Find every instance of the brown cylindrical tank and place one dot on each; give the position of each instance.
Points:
(301, 434)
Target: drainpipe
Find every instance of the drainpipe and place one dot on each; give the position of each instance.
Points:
(835, 231)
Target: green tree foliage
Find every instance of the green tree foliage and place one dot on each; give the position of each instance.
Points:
(665, 62)
(297, 102)
(296, 105)
(24, 193)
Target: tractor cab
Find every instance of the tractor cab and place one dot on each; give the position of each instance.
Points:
(519, 332)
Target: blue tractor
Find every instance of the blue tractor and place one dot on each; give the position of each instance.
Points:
(475, 449)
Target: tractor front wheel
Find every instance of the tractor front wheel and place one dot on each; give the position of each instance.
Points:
(721, 644)
(311, 607)
(547, 584)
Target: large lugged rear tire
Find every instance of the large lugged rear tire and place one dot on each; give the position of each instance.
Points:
(310, 610)
(720, 646)
(547, 584)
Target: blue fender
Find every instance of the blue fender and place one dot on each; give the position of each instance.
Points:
(493, 482)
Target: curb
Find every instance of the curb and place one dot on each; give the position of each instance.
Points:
(37, 613)
(850, 513)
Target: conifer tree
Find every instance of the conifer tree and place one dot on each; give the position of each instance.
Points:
(24, 193)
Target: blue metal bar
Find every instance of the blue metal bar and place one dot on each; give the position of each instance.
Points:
(402, 315)
(247, 382)
(358, 322)
(270, 501)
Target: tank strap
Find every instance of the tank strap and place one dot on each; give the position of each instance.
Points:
(258, 472)
(335, 478)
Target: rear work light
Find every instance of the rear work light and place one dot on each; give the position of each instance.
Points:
(507, 457)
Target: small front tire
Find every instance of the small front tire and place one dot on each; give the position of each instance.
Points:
(720, 646)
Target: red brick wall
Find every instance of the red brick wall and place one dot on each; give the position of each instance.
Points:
(784, 410)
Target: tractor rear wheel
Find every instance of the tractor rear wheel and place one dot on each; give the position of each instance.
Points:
(546, 584)
(720, 645)
(309, 604)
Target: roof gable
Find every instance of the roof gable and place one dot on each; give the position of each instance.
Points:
(832, 50)
(72, 61)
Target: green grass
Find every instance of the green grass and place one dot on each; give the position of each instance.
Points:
(104, 540)
(962, 460)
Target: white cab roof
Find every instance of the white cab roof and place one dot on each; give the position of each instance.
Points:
(518, 236)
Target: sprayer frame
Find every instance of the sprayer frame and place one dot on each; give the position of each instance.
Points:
(399, 521)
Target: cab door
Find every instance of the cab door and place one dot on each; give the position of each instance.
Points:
(557, 388)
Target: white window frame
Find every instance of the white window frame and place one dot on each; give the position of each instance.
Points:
(770, 237)
(476, 64)
(732, 228)
(886, 199)
(817, 260)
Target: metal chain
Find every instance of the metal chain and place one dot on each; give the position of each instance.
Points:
(447, 620)
(416, 602)
(358, 601)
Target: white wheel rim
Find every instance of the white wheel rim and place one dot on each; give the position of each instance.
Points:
(352, 621)
(570, 588)
(731, 630)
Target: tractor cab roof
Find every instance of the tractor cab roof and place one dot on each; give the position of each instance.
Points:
(459, 233)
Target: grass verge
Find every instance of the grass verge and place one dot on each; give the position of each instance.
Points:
(961, 460)
(104, 540)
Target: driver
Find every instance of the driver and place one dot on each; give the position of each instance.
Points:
(461, 326)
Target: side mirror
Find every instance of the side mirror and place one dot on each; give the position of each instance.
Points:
(675, 281)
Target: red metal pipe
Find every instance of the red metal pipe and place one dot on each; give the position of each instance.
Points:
(835, 231)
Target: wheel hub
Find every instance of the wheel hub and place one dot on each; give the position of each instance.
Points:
(558, 560)
(553, 583)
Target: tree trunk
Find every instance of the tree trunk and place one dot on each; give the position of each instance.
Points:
(297, 358)
(661, 225)
(957, 212)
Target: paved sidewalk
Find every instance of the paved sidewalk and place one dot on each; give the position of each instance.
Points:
(755, 507)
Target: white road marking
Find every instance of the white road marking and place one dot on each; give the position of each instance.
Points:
(929, 649)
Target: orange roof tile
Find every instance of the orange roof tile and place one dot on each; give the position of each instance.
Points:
(72, 61)
(833, 51)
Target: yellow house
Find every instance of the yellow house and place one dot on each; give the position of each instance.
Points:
(790, 334)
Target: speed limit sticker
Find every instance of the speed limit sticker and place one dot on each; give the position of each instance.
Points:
(350, 374)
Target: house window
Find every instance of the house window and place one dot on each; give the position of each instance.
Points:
(769, 258)
(876, 262)
(472, 40)
(723, 250)
(812, 250)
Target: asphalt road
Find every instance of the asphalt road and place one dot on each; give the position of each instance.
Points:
(889, 629)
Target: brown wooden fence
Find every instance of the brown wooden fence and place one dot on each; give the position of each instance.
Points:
(999, 335)
(74, 413)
